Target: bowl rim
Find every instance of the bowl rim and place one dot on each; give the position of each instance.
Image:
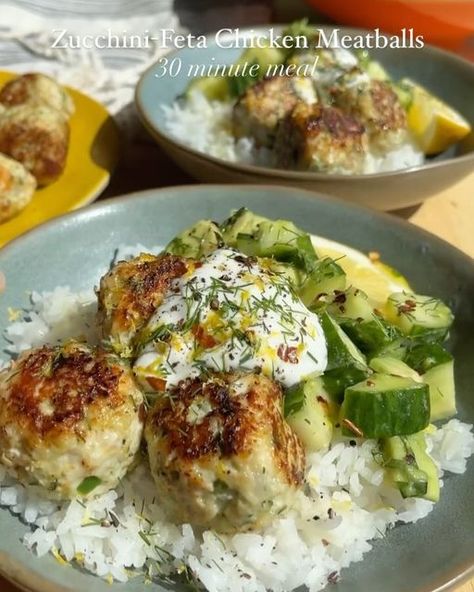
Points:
(19, 573)
(107, 204)
(163, 137)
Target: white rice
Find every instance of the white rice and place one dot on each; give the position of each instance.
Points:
(206, 126)
(122, 534)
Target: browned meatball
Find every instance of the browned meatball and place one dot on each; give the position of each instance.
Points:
(316, 138)
(375, 104)
(36, 90)
(259, 110)
(38, 137)
(16, 188)
(130, 293)
(71, 419)
(221, 454)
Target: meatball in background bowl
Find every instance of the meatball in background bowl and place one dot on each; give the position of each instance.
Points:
(446, 75)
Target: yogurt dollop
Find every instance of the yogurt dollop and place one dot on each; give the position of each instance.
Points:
(230, 312)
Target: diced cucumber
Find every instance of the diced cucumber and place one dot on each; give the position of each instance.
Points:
(431, 363)
(376, 71)
(410, 466)
(422, 357)
(440, 380)
(197, 241)
(351, 304)
(371, 335)
(283, 241)
(276, 239)
(386, 365)
(214, 88)
(419, 315)
(325, 277)
(346, 364)
(402, 469)
(383, 406)
(308, 412)
(363, 57)
(373, 68)
(357, 317)
(404, 93)
(243, 221)
(396, 349)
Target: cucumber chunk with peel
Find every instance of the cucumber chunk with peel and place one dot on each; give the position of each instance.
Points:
(325, 277)
(419, 315)
(308, 411)
(346, 364)
(383, 406)
(395, 367)
(410, 467)
(440, 380)
(197, 241)
(422, 357)
(242, 221)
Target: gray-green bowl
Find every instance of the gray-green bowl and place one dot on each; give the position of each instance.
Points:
(447, 75)
(432, 555)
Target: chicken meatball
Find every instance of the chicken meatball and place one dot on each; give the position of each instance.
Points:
(38, 137)
(259, 110)
(16, 188)
(130, 293)
(375, 104)
(319, 138)
(36, 90)
(221, 454)
(71, 420)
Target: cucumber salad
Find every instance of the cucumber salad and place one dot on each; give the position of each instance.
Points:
(373, 370)
(312, 108)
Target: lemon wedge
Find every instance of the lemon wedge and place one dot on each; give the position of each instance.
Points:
(367, 273)
(434, 124)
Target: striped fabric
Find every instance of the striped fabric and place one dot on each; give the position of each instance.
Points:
(27, 31)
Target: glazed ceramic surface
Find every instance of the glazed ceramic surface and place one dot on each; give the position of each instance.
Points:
(448, 76)
(75, 250)
(92, 156)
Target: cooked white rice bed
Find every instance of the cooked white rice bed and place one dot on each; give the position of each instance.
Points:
(122, 534)
(206, 126)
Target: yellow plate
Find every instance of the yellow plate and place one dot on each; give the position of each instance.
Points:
(93, 154)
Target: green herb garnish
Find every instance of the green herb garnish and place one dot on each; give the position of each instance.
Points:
(88, 484)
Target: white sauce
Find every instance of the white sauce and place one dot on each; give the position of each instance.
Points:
(231, 313)
(305, 90)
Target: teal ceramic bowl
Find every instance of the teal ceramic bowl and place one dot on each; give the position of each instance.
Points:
(432, 555)
(447, 75)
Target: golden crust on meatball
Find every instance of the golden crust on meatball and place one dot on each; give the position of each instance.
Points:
(319, 138)
(259, 110)
(38, 137)
(376, 105)
(130, 293)
(69, 413)
(17, 186)
(36, 89)
(221, 454)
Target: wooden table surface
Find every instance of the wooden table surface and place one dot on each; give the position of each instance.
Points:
(450, 215)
